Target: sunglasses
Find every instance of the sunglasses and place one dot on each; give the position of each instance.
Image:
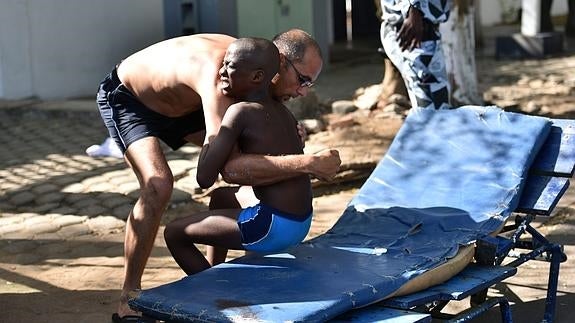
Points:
(304, 81)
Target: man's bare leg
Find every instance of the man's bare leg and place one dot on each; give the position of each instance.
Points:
(236, 197)
(148, 162)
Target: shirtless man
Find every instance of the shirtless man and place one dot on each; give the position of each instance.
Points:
(169, 91)
(258, 124)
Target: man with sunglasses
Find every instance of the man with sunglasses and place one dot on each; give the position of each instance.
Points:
(170, 91)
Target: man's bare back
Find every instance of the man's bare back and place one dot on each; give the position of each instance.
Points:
(169, 77)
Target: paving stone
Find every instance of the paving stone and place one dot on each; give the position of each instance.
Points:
(92, 249)
(187, 184)
(99, 187)
(94, 210)
(74, 230)
(84, 201)
(117, 200)
(27, 258)
(48, 227)
(61, 180)
(5, 206)
(135, 194)
(6, 186)
(121, 179)
(21, 246)
(50, 198)
(22, 198)
(26, 215)
(67, 220)
(130, 189)
(63, 210)
(105, 224)
(8, 220)
(18, 235)
(75, 197)
(54, 247)
(92, 181)
(10, 228)
(38, 219)
(114, 251)
(46, 163)
(44, 208)
(44, 238)
(38, 177)
(119, 174)
(57, 174)
(180, 167)
(179, 196)
(122, 212)
(57, 158)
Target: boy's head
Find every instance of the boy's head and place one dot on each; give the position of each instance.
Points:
(249, 64)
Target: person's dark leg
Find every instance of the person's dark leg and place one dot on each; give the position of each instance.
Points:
(546, 22)
(570, 24)
(216, 228)
(228, 198)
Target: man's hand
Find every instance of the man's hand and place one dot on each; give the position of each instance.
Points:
(326, 164)
(411, 32)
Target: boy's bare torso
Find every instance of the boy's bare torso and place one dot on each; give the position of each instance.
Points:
(168, 76)
(272, 131)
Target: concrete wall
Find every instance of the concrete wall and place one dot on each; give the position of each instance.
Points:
(63, 48)
(491, 10)
(265, 19)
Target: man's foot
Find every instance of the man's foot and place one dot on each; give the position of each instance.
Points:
(131, 319)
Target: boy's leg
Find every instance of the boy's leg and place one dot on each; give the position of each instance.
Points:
(216, 228)
(236, 197)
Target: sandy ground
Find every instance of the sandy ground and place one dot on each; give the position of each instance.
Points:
(83, 285)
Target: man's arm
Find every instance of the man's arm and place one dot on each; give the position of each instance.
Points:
(246, 169)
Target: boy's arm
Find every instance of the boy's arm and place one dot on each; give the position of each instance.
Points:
(217, 151)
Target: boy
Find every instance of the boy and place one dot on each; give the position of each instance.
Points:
(257, 124)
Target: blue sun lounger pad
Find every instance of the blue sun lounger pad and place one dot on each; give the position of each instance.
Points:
(449, 177)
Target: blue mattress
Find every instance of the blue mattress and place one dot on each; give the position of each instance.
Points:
(448, 178)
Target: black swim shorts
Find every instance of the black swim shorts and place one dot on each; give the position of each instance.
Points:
(129, 120)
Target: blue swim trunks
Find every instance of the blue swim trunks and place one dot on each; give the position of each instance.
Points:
(265, 229)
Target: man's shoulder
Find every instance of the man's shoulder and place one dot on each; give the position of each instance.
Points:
(208, 43)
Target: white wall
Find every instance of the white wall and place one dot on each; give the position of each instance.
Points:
(490, 10)
(63, 48)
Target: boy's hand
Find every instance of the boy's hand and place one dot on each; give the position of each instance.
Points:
(326, 164)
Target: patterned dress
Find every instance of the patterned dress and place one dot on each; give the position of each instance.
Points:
(422, 68)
